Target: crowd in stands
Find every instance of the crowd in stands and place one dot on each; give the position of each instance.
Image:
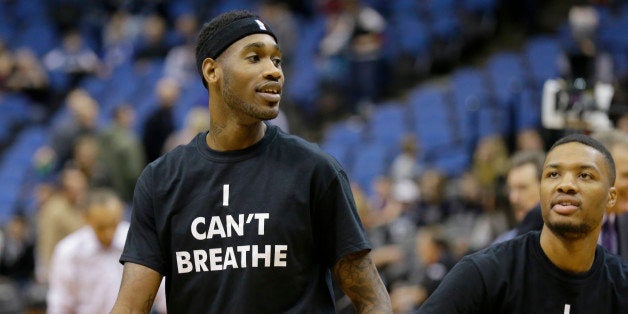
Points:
(92, 91)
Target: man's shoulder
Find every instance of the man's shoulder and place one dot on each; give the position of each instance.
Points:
(296, 142)
(503, 253)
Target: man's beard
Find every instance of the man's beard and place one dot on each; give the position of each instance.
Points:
(569, 230)
(234, 101)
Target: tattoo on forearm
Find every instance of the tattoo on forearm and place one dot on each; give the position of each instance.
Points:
(359, 279)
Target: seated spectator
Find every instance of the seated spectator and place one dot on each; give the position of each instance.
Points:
(124, 156)
(119, 35)
(59, 216)
(405, 166)
(87, 158)
(85, 273)
(153, 44)
(17, 251)
(433, 206)
(435, 259)
(159, 125)
(351, 51)
(582, 57)
(73, 59)
(523, 182)
(29, 77)
(82, 120)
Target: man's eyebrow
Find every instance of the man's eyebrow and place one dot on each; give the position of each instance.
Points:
(259, 45)
(582, 167)
(254, 45)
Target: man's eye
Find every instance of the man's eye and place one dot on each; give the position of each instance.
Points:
(277, 62)
(585, 175)
(552, 174)
(254, 58)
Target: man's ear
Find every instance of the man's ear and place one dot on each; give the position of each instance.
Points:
(210, 70)
(612, 198)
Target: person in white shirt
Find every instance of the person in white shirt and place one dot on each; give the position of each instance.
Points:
(85, 272)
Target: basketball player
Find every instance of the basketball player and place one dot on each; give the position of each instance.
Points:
(559, 269)
(246, 218)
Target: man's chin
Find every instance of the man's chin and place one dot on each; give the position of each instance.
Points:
(569, 231)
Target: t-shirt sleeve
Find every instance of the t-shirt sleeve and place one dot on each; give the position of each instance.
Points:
(461, 291)
(142, 241)
(338, 230)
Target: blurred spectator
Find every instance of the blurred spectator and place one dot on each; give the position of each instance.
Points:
(73, 59)
(382, 253)
(83, 116)
(396, 232)
(351, 50)
(529, 140)
(582, 58)
(87, 158)
(160, 123)
(196, 121)
(383, 195)
(524, 182)
(490, 162)
(119, 36)
(185, 29)
(433, 206)
(433, 252)
(6, 66)
(487, 225)
(123, 156)
(29, 77)
(180, 61)
(618, 111)
(614, 234)
(405, 166)
(59, 216)
(153, 44)
(17, 251)
(467, 206)
(75, 286)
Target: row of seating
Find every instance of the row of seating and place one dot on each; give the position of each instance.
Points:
(498, 98)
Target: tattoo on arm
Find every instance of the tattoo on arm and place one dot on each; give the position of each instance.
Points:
(360, 281)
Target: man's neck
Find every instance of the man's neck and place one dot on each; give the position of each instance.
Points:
(570, 255)
(228, 137)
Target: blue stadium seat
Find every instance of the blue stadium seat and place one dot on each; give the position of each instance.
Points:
(371, 162)
(388, 123)
(470, 98)
(302, 87)
(344, 154)
(541, 54)
(346, 132)
(528, 110)
(434, 122)
(507, 78)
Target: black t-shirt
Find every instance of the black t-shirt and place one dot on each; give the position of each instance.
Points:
(517, 277)
(249, 231)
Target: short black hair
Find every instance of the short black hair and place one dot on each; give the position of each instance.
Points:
(593, 143)
(210, 28)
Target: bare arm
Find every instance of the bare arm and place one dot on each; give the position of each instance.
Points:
(137, 290)
(358, 278)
